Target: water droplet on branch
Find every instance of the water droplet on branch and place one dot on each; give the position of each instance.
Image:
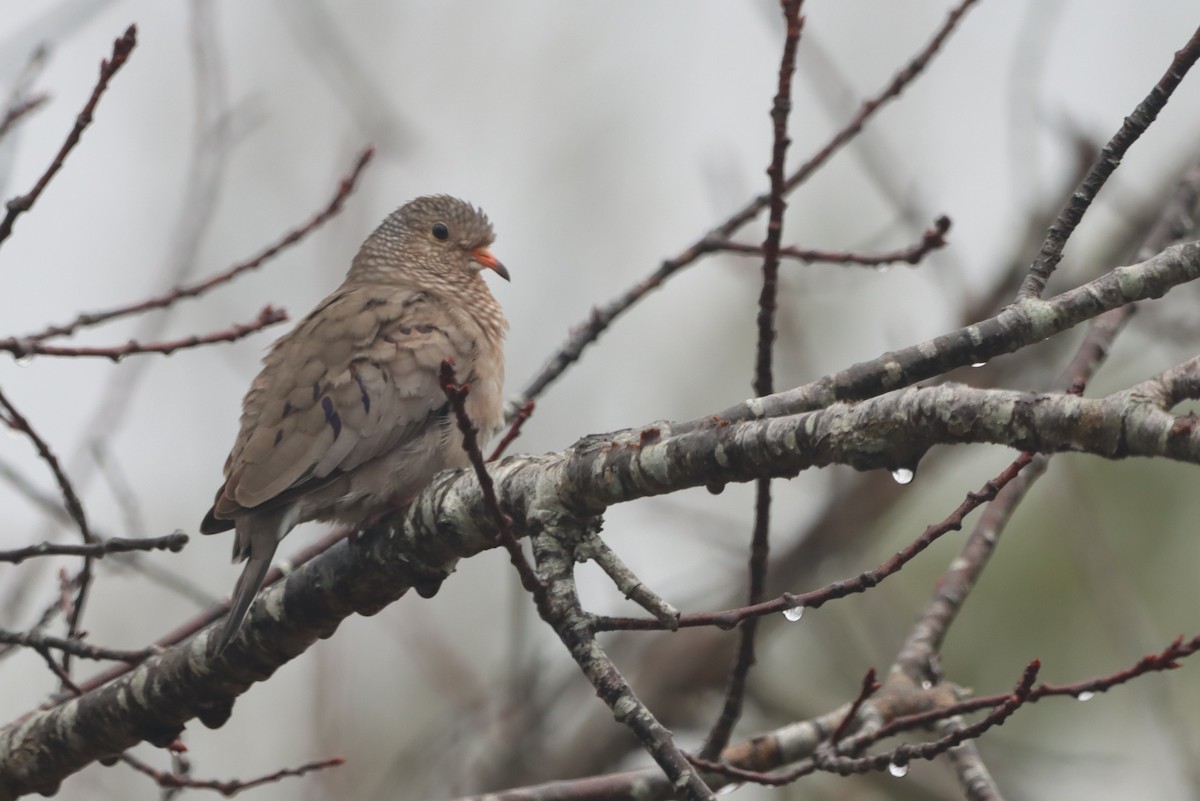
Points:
(794, 613)
(902, 475)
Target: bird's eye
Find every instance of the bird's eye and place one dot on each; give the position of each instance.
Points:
(440, 232)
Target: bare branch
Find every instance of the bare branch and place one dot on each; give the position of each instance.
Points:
(603, 316)
(933, 239)
(764, 384)
(24, 348)
(1110, 157)
(171, 542)
(345, 187)
(44, 642)
(122, 47)
(227, 787)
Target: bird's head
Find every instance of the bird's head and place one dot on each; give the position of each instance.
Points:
(431, 240)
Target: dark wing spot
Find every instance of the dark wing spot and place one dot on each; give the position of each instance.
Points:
(331, 416)
(373, 303)
(278, 436)
(414, 299)
(405, 330)
(362, 389)
(426, 328)
(316, 390)
(287, 408)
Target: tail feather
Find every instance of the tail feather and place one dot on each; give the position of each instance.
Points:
(256, 538)
(247, 587)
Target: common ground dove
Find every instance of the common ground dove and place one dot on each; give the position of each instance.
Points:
(347, 416)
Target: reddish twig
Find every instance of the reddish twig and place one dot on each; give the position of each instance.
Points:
(934, 238)
(899, 82)
(170, 542)
(17, 422)
(345, 187)
(861, 583)
(267, 317)
(514, 429)
(602, 317)
(869, 688)
(1106, 163)
(229, 787)
(903, 754)
(74, 507)
(762, 752)
(1167, 659)
(457, 395)
(928, 632)
(781, 107)
(897, 757)
(564, 614)
(43, 642)
(18, 110)
(58, 670)
(122, 47)
(218, 611)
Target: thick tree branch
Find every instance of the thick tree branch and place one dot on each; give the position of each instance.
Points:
(1016, 327)
(450, 520)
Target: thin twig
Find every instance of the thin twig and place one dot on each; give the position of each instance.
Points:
(457, 395)
(27, 348)
(1158, 662)
(764, 384)
(1109, 159)
(18, 422)
(933, 239)
(563, 613)
(794, 742)
(74, 506)
(899, 756)
(514, 429)
(122, 47)
(839, 589)
(227, 787)
(39, 642)
(217, 611)
(171, 542)
(58, 670)
(345, 187)
(869, 688)
(602, 317)
(14, 113)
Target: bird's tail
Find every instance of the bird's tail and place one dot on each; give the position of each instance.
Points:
(247, 587)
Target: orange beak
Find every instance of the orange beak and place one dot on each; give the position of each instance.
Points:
(484, 256)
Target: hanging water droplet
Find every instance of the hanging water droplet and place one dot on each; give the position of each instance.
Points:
(1086, 695)
(729, 788)
(883, 268)
(979, 364)
(926, 685)
(898, 769)
(793, 613)
(902, 475)
(25, 360)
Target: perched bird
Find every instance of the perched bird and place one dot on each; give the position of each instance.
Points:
(347, 416)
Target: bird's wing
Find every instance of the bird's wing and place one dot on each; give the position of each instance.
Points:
(357, 378)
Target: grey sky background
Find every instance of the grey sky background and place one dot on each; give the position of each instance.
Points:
(600, 137)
